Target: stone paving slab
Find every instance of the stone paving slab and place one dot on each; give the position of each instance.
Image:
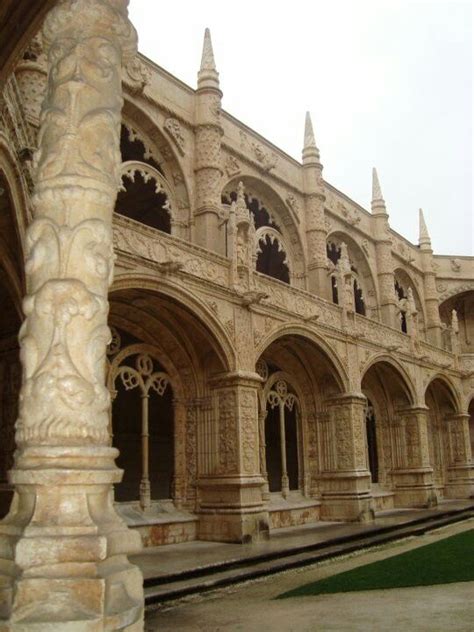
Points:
(251, 607)
(160, 562)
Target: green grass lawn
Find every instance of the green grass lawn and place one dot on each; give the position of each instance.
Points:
(449, 560)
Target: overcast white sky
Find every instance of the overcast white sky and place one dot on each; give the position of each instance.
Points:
(388, 84)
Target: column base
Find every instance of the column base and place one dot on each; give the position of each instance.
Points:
(346, 496)
(414, 488)
(231, 510)
(63, 549)
(460, 481)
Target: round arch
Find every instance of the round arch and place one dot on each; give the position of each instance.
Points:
(448, 390)
(222, 344)
(405, 381)
(360, 261)
(295, 329)
(405, 281)
(280, 216)
(163, 152)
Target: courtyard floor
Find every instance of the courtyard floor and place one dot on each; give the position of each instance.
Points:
(252, 607)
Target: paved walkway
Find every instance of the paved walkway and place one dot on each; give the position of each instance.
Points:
(174, 558)
(251, 607)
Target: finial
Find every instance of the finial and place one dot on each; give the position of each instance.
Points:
(378, 203)
(310, 150)
(454, 321)
(424, 237)
(240, 194)
(208, 77)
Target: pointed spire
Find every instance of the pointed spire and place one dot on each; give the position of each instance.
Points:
(208, 77)
(378, 203)
(424, 237)
(310, 151)
(309, 140)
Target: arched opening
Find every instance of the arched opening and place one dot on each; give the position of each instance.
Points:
(298, 378)
(143, 428)
(132, 148)
(372, 452)
(10, 321)
(401, 293)
(161, 360)
(144, 198)
(441, 404)
(463, 304)
(409, 304)
(278, 243)
(281, 438)
(271, 258)
(362, 283)
(388, 395)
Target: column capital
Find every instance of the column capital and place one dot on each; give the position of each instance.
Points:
(236, 378)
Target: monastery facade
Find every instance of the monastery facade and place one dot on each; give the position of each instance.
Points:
(278, 354)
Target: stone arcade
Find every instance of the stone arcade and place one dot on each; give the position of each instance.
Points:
(276, 354)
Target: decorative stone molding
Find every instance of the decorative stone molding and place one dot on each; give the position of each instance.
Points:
(173, 127)
(64, 466)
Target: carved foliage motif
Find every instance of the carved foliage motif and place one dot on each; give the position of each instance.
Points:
(69, 244)
(249, 430)
(173, 127)
(228, 455)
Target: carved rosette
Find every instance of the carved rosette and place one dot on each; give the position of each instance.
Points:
(70, 257)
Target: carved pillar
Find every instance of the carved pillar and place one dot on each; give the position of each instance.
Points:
(145, 488)
(383, 250)
(345, 479)
(230, 490)
(208, 169)
(460, 471)
(63, 548)
(180, 452)
(386, 279)
(263, 452)
(285, 483)
(316, 232)
(412, 475)
(433, 321)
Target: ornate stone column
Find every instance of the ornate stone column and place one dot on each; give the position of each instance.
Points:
(208, 169)
(433, 322)
(345, 479)
(383, 250)
(460, 483)
(63, 548)
(230, 488)
(316, 231)
(412, 474)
